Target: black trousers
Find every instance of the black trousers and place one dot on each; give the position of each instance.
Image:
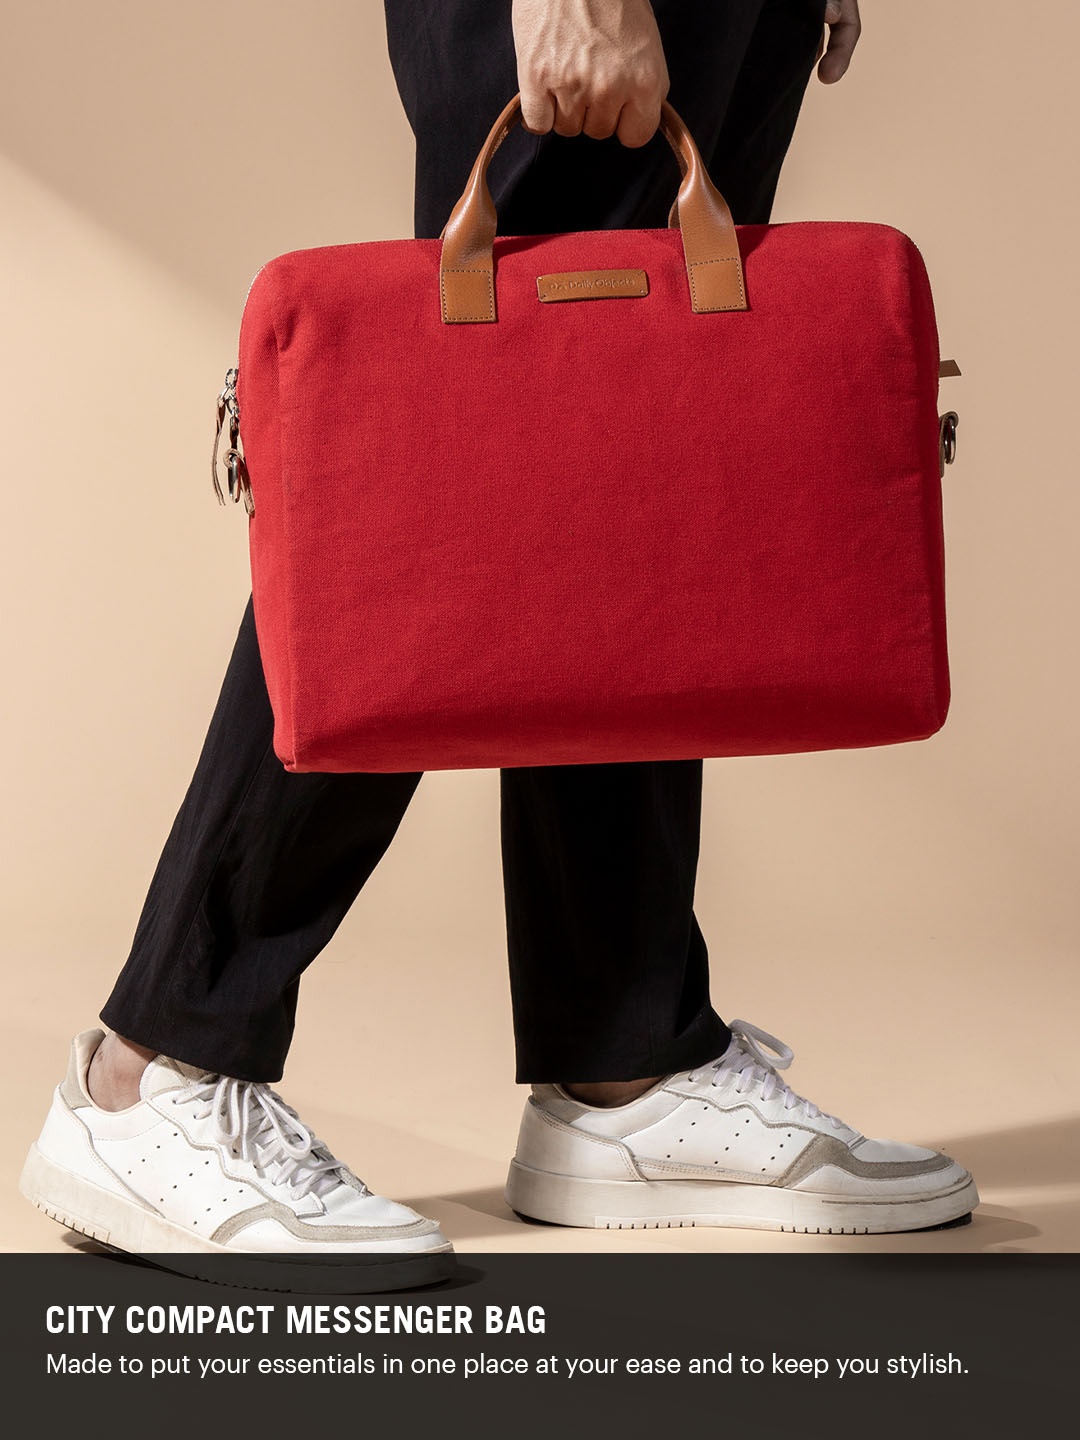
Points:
(608, 966)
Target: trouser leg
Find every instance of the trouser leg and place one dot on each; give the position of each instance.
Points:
(608, 965)
(257, 873)
(746, 151)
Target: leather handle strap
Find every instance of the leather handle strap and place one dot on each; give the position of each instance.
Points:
(710, 243)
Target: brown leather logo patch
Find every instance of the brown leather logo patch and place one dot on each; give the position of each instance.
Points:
(593, 285)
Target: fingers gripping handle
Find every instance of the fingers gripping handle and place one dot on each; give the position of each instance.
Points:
(710, 243)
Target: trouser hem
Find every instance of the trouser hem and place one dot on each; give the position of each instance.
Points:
(707, 1041)
(190, 1051)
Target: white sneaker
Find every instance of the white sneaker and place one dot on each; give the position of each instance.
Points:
(210, 1165)
(727, 1143)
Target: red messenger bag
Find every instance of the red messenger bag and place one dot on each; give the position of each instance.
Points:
(609, 496)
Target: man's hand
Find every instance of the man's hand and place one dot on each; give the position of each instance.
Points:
(593, 67)
(842, 18)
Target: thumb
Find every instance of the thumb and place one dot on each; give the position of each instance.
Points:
(537, 110)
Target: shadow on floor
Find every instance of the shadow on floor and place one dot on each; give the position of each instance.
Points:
(1030, 1158)
(1026, 1156)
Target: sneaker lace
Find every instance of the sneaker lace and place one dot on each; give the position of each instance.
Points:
(253, 1121)
(753, 1058)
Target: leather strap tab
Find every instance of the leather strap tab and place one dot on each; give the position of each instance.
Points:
(716, 285)
(710, 242)
(468, 294)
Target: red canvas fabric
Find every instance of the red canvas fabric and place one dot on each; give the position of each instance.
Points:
(602, 530)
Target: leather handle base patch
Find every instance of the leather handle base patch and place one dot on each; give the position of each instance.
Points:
(593, 285)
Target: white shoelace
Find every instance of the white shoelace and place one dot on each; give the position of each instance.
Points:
(754, 1058)
(252, 1121)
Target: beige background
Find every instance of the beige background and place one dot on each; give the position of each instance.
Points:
(905, 918)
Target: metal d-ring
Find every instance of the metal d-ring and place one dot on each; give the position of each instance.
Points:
(947, 439)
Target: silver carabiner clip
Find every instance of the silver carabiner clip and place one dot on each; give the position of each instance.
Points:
(237, 481)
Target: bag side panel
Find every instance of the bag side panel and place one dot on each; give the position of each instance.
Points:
(258, 394)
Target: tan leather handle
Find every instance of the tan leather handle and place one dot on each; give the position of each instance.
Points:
(710, 244)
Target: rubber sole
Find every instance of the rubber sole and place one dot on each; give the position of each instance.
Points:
(122, 1225)
(673, 1204)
